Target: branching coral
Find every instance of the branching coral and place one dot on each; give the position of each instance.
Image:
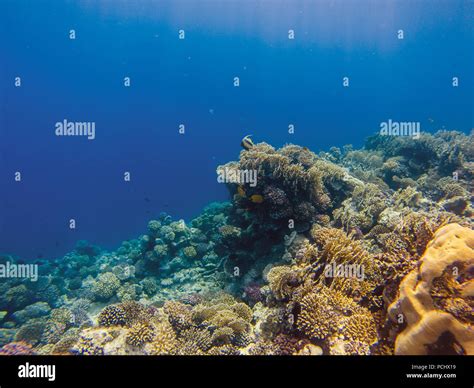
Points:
(112, 315)
(198, 339)
(164, 341)
(227, 319)
(362, 209)
(135, 312)
(329, 314)
(140, 333)
(86, 346)
(336, 246)
(179, 315)
(289, 177)
(282, 281)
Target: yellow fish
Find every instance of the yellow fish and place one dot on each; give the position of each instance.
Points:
(256, 198)
(247, 142)
(241, 191)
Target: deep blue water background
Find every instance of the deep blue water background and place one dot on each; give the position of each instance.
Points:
(191, 81)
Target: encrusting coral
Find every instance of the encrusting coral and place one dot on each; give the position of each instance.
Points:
(436, 298)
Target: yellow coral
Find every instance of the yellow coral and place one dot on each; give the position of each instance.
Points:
(228, 319)
(282, 281)
(190, 252)
(426, 324)
(139, 334)
(164, 342)
(336, 246)
(196, 340)
(321, 311)
(329, 314)
(179, 315)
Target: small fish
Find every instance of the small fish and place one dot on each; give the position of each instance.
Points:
(241, 191)
(256, 198)
(247, 142)
(147, 199)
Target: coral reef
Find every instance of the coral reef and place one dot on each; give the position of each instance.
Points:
(349, 251)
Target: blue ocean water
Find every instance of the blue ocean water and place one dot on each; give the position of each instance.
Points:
(191, 81)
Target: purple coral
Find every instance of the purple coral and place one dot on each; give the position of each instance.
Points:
(280, 206)
(253, 293)
(275, 196)
(17, 349)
